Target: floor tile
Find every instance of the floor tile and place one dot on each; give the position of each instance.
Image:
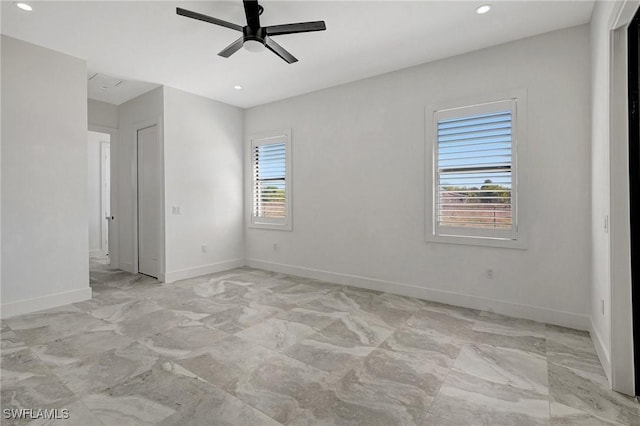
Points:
(505, 366)
(464, 399)
(402, 383)
(74, 348)
(489, 385)
(28, 384)
(454, 322)
(577, 390)
(334, 301)
(424, 371)
(20, 365)
(253, 347)
(128, 310)
(562, 415)
(408, 339)
(183, 341)
(573, 349)
(359, 327)
(498, 330)
(292, 392)
(167, 394)
(46, 326)
(153, 323)
(336, 356)
(204, 305)
(10, 342)
(78, 415)
(431, 420)
(276, 334)
(312, 318)
(106, 369)
(239, 318)
(126, 410)
(228, 361)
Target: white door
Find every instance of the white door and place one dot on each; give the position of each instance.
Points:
(148, 200)
(105, 187)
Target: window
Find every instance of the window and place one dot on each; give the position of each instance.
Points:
(475, 185)
(271, 182)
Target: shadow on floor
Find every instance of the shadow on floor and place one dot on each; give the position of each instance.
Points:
(102, 274)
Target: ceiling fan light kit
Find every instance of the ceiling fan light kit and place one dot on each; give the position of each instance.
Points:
(255, 37)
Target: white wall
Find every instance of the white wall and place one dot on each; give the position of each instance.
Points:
(94, 183)
(203, 177)
(143, 111)
(102, 114)
(44, 175)
(358, 183)
(0, 164)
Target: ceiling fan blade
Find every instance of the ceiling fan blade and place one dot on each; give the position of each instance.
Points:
(300, 27)
(279, 50)
(232, 48)
(252, 12)
(209, 19)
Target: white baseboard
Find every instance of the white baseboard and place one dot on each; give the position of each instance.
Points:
(535, 313)
(44, 302)
(95, 253)
(183, 274)
(601, 349)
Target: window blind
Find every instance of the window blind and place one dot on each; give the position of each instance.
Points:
(269, 173)
(474, 171)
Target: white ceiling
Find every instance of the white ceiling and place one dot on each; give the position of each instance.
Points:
(115, 90)
(147, 42)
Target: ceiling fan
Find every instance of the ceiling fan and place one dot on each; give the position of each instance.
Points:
(253, 35)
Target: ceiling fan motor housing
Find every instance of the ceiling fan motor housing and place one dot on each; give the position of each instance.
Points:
(256, 34)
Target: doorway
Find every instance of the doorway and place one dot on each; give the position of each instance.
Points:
(633, 55)
(149, 180)
(99, 193)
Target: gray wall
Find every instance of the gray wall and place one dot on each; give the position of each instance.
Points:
(44, 178)
(143, 111)
(203, 176)
(102, 114)
(358, 154)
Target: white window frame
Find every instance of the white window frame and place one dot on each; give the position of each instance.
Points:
(516, 101)
(266, 138)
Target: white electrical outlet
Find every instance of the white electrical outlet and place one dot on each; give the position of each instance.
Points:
(204, 248)
(489, 273)
(176, 210)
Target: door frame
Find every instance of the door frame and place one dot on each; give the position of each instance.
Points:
(633, 34)
(104, 196)
(621, 355)
(140, 125)
(114, 258)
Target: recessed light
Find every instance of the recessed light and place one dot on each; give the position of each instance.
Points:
(24, 6)
(237, 87)
(483, 9)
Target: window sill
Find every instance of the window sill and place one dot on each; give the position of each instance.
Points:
(271, 226)
(519, 244)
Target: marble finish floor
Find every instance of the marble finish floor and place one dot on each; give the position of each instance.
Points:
(249, 347)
